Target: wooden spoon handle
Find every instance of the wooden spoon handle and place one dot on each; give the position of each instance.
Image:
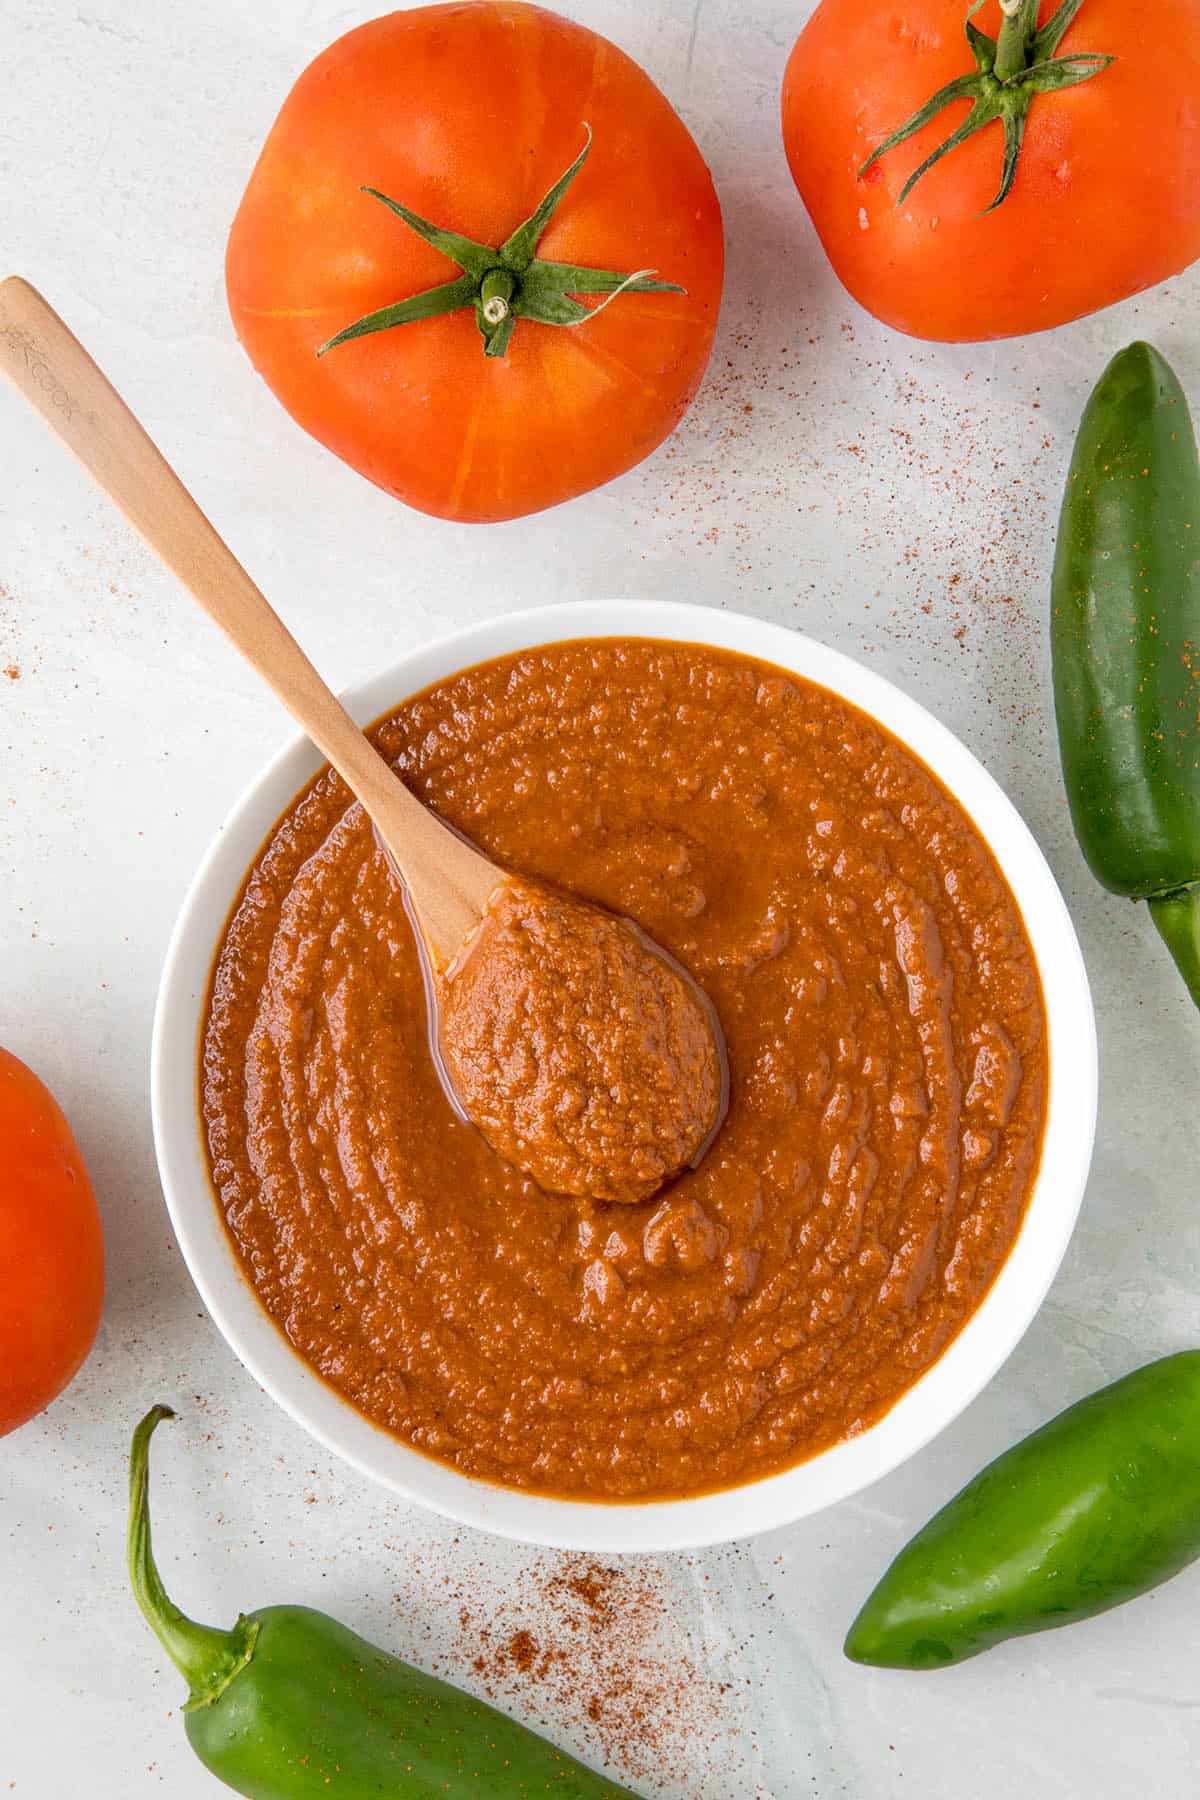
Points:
(50, 367)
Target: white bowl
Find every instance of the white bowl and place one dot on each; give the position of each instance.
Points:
(941, 1393)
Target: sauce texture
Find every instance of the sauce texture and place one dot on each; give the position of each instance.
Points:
(577, 1049)
(886, 1042)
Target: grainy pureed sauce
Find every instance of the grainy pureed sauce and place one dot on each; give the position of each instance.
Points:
(885, 1032)
(580, 1051)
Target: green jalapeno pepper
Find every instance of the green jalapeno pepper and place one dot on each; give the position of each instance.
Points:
(1125, 633)
(1099, 1505)
(290, 1705)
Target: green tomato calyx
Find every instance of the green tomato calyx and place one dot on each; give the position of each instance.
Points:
(1010, 70)
(507, 283)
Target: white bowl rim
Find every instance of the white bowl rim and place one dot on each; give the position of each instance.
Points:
(925, 1409)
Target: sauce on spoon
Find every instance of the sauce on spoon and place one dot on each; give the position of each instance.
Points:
(584, 1054)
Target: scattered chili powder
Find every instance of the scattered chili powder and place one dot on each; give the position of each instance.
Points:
(13, 672)
(892, 440)
(590, 1650)
(592, 1587)
(523, 1649)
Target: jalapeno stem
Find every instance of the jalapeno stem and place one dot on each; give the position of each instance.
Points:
(206, 1657)
(1178, 919)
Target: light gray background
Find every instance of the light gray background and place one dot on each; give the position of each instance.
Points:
(895, 499)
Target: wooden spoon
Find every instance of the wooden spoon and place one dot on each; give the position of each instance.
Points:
(617, 1079)
(447, 880)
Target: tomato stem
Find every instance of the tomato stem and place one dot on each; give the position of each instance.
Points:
(1015, 40)
(495, 292)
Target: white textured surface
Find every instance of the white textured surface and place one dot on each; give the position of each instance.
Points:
(896, 500)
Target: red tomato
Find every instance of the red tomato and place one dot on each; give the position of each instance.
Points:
(468, 114)
(51, 1250)
(1106, 199)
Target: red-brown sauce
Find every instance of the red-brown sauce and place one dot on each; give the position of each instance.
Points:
(886, 1043)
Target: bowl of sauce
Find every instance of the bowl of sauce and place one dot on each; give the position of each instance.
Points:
(905, 1121)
